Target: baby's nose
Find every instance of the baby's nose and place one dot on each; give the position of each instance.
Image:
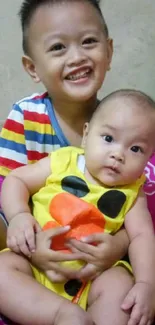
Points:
(118, 156)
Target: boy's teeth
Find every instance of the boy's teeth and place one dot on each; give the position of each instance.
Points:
(78, 75)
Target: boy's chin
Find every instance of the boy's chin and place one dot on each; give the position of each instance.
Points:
(81, 98)
(81, 94)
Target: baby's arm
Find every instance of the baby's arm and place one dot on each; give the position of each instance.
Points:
(138, 224)
(121, 245)
(139, 227)
(17, 188)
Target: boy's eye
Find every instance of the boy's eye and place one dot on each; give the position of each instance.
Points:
(90, 40)
(136, 149)
(57, 47)
(108, 138)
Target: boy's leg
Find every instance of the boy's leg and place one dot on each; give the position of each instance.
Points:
(3, 229)
(106, 296)
(29, 303)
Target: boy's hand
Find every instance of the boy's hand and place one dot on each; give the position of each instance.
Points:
(48, 260)
(99, 258)
(21, 234)
(140, 301)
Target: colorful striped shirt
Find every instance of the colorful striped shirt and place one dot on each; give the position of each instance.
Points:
(30, 133)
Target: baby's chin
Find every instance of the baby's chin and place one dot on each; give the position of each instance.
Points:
(111, 182)
(115, 183)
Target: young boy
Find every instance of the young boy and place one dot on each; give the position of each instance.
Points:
(108, 173)
(72, 72)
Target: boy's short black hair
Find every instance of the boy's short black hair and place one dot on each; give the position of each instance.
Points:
(29, 7)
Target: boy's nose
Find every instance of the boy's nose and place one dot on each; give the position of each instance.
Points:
(76, 57)
(118, 156)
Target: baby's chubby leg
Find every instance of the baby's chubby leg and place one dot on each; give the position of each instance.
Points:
(106, 296)
(27, 302)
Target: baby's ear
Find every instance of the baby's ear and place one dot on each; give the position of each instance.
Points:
(85, 133)
(30, 68)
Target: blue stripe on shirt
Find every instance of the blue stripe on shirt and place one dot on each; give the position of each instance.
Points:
(7, 144)
(41, 138)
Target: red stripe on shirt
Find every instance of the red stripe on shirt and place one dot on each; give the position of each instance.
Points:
(35, 155)
(14, 126)
(9, 163)
(40, 96)
(35, 117)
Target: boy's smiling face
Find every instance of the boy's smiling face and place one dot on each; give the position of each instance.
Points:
(69, 50)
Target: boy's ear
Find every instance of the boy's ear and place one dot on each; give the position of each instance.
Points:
(29, 66)
(110, 52)
(85, 133)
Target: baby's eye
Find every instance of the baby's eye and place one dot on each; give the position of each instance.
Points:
(57, 47)
(89, 40)
(108, 138)
(136, 149)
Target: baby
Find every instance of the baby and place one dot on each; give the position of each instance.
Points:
(97, 189)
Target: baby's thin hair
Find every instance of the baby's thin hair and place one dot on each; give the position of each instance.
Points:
(29, 7)
(136, 96)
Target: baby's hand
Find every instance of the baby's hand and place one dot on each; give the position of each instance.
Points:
(98, 258)
(140, 301)
(49, 260)
(21, 234)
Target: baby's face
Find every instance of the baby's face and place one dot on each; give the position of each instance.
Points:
(69, 50)
(119, 142)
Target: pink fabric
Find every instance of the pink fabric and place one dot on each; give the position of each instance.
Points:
(149, 186)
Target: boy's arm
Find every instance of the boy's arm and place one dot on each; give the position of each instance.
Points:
(20, 184)
(13, 153)
(138, 224)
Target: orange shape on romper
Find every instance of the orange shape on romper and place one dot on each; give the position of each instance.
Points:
(84, 218)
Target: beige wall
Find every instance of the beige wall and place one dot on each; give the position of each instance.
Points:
(131, 24)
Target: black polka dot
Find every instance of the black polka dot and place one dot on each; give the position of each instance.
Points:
(75, 186)
(111, 203)
(72, 287)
